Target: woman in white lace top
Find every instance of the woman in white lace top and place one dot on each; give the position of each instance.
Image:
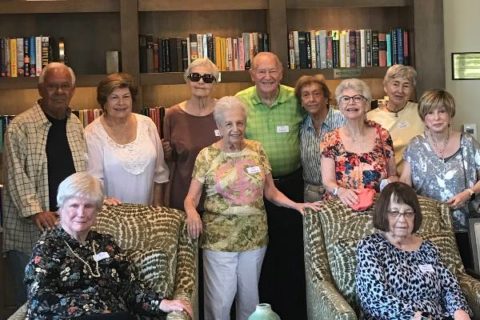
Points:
(124, 148)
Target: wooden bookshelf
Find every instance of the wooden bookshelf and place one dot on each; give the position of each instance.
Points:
(91, 27)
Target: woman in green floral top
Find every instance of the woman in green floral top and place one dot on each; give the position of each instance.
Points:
(235, 175)
(76, 273)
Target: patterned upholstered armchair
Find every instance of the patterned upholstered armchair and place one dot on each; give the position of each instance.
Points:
(331, 236)
(157, 243)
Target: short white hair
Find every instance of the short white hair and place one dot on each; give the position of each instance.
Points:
(80, 185)
(227, 103)
(56, 65)
(205, 62)
(355, 84)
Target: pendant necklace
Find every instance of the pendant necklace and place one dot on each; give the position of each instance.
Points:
(440, 152)
(396, 112)
(97, 272)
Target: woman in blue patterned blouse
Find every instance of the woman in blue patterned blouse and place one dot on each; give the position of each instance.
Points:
(75, 273)
(399, 275)
(314, 95)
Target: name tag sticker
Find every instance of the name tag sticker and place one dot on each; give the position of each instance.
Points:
(426, 268)
(253, 170)
(217, 133)
(283, 129)
(100, 256)
(403, 124)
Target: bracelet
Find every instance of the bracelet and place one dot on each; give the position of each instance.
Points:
(335, 191)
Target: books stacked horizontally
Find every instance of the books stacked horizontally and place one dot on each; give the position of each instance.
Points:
(157, 114)
(348, 48)
(26, 56)
(87, 116)
(174, 54)
(4, 121)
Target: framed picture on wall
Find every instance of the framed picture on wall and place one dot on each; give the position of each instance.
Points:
(465, 65)
(474, 231)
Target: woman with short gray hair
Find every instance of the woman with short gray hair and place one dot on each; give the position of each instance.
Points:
(358, 155)
(235, 175)
(397, 114)
(78, 273)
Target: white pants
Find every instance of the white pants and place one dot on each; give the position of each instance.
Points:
(227, 274)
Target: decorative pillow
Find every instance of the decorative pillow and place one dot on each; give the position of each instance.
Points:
(157, 244)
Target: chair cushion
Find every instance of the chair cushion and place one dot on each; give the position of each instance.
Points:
(156, 242)
(343, 228)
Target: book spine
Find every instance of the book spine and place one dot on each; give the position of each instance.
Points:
(352, 39)
(406, 48)
(26, 57)
(193, 47)
(343, 48)
(296, 49)
(38, 52)
(45, 51)
(33, 56)
(150, 57)
(184, 45)
(382, 50)
(241, 54)
(313, 48)
(363, 52)
(308, 46)
(394, 46)
(399, 33)
(155, 59)
(13, 58)
(3, 67)
(368, 47)
(388, 41)
(302, 47)
(323, 49)
(374, 48)
(291, 51)
(20, 57)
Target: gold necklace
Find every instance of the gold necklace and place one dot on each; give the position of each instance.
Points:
(95, 275)
(440, 152)
(397, 111)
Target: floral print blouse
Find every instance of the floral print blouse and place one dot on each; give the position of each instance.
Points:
(233, 182)
(364, 170)
(62, 286)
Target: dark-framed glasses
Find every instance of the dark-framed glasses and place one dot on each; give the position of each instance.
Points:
(396, 214)
(207, 77)
(356, 99)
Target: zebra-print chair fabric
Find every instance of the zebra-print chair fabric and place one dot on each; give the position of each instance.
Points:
(331, 235)
(156, 242)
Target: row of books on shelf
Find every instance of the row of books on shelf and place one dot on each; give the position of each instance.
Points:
(174, 54)
(26, 56)
(87, 116)
(348, 48)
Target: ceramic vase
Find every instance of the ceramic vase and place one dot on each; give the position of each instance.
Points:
(264, 312)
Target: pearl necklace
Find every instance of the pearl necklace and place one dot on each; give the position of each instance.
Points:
(97, 272)
(440, 152)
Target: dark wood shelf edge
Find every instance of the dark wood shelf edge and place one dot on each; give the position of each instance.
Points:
(192, 5)
(60, 6)
(90, 80)
(310, 4)
(165, 78)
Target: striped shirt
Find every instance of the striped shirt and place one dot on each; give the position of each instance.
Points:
(310, 144)
(277, 127)
(26, 174)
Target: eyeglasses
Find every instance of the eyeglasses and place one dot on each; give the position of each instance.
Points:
(397, 214)
(356, 99)
(207, 77)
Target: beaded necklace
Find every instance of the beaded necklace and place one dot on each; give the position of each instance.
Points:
(97, 271)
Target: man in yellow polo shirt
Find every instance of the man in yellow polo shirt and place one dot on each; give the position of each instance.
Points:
(274, 118)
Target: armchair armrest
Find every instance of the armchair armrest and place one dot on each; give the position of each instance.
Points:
(327, 303)
(471, 288)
